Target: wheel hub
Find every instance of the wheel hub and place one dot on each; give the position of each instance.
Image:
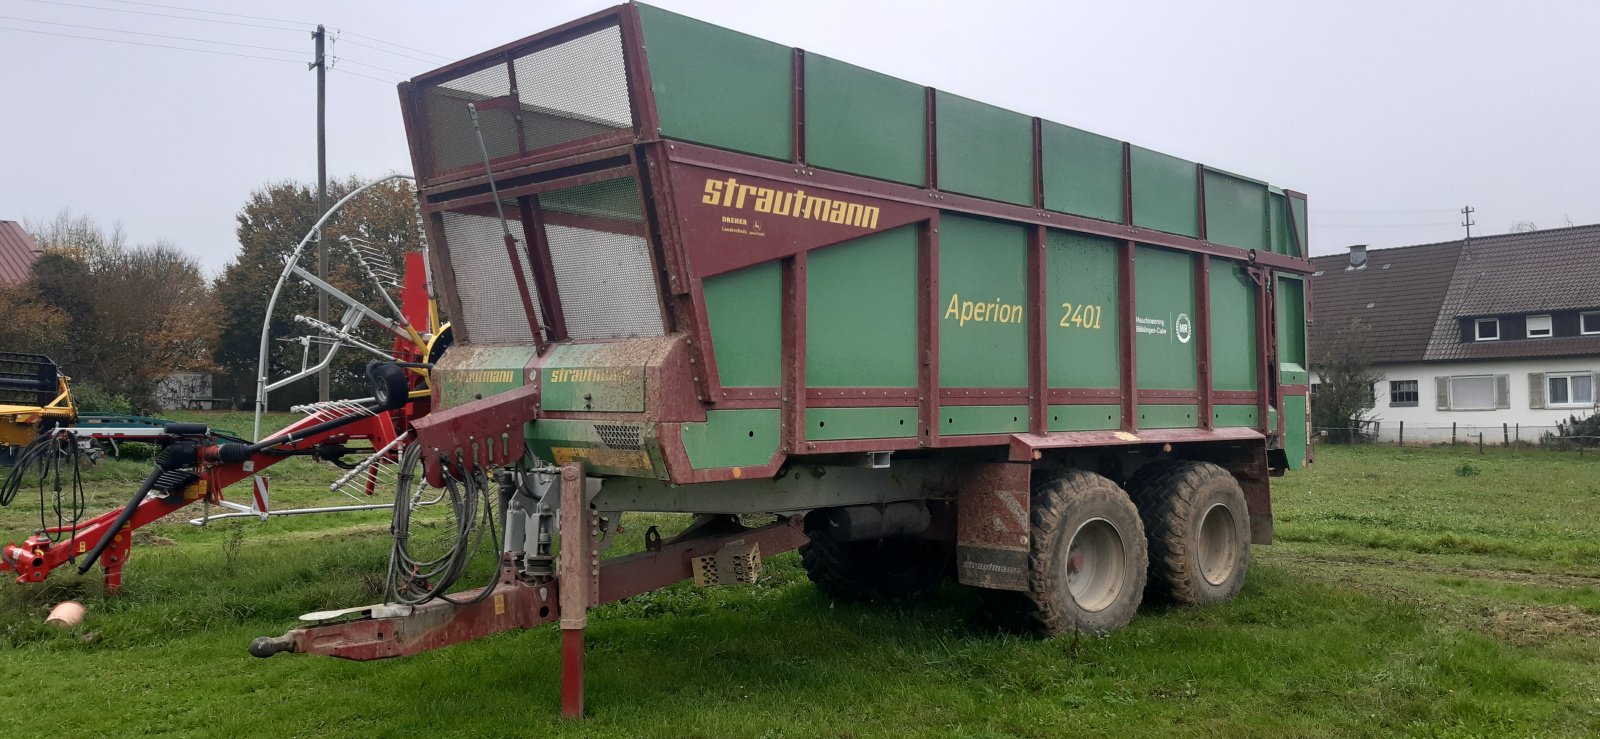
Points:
(1217, 545)
(1095, 564)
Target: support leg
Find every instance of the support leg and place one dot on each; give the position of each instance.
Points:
(579, 567)
(115, 557)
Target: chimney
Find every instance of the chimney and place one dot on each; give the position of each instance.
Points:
(1358, 257)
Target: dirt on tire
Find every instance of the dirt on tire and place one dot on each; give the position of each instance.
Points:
(1173, 498)
(1061, 505)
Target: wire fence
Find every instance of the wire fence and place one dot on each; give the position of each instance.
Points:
(1400, 433)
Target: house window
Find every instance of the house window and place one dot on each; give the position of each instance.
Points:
(1487, 329)
(1402, 393)
(1590, 322)
(1538, 327)
(1575, 390)
(1472, 393)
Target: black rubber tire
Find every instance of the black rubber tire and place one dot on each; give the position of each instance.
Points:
(894, 570)
(1062, 506)
(1190, 565)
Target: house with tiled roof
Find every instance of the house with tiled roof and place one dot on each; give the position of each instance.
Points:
(17, 254)
(1492, 332)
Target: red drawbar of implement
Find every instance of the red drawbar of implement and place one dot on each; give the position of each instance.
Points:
(519, 604)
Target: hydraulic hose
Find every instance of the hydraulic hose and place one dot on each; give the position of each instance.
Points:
(177, 455)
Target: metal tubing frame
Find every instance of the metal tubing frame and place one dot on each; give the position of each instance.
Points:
(289, 266)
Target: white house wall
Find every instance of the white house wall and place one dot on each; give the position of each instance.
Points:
(1426, 423)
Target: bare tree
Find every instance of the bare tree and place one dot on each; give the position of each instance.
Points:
(1344, 398)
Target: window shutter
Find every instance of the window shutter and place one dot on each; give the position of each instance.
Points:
(1502, 391)
(1441, 387)
(1535, 389)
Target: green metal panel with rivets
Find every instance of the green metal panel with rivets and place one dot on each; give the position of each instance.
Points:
(1233, 328)
(984, 150)
(1082, 316)
(718, 87)
(983, 337)
(861, 312)
(889, 142)
(1082, 172)
(1164, 319)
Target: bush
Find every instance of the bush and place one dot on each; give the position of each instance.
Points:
(91, 398)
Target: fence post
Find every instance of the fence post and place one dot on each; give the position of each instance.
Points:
(1480, 442)
(1505, 430)
(1452, 433)
(1377, 427)
(1519, 433)
(1402, 440)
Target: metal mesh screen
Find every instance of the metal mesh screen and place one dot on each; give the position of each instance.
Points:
(602, 261)
(570, 91)
(492, 308)
(573, 90)
(455, 144)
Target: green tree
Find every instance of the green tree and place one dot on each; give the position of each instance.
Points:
(274, 219)
(1344, 398)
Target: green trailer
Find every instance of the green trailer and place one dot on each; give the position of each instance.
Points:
(696, 271)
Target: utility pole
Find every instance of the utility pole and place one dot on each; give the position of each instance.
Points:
(323, 392)
(1466, 220)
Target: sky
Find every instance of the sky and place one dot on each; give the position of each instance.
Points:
(1390, 116)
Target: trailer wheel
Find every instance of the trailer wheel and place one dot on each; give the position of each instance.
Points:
(893, 570)
(1199, 529)
(1088, 562)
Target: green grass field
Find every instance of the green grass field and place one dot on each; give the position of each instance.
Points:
(1426, 592)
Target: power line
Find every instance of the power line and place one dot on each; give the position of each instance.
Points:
(164, 15)
(210, 12)
(1377, 211)
(348, 60)
(386, 51)
(1385, 225)
(155, 35)
(368, 76)
(156, 46)
(391, 43)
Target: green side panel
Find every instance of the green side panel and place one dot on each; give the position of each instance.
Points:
(1223, 416)
(1082, 172)
(1236, 211)
(492, 370)
(1299, 207)
(1233, 328)
(959, 420)
(1291, 310)
(1279, 220)
(560, 441)
(576, 378)
(1169, 416)
(1164, 194)
(743, 438)
(983, 327)
(746, 326)
(1085, 417)
(1164, 319)
(828, 424)
(1294, 430)
(864, 122)
(983, 150)
(1081, 310)
(861, 312)
(719, 87)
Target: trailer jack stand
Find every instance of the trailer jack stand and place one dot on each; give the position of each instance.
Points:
(579, 568)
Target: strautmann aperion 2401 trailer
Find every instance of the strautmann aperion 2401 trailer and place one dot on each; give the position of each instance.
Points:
(934, 338)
